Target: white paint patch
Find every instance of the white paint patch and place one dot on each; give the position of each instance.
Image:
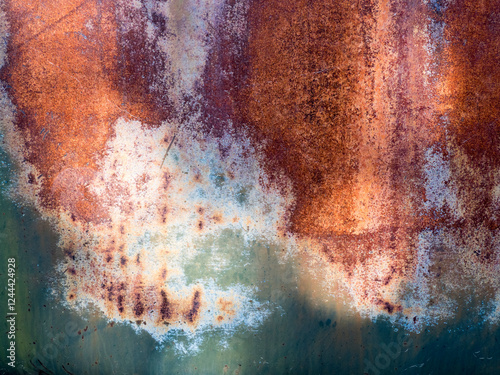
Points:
(154, 216)
(438, 192)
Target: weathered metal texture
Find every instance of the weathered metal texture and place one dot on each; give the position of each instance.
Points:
(380, 117)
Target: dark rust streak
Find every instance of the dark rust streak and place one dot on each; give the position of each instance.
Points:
(165, 310)
(139, 306)
(120, 301)
(192, 314)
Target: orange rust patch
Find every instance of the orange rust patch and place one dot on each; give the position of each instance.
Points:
(217, 218)
(301, 100)
(71, 74)
(335, 98)
(227, 309)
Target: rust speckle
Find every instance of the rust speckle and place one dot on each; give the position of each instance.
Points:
(163, 214)
(217, 218)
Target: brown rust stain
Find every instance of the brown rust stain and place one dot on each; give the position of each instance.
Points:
(217, 218)
(227, 310)
(471, 88)
(142, 65)
(123, 261)
(192, 314)
(133, 298)
(138, 306)
(334, 96)
(165, 307)
(120, 300)
(71, 74)
(338, 97)
(389, 307)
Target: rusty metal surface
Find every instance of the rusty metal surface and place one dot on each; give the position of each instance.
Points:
(370, 129)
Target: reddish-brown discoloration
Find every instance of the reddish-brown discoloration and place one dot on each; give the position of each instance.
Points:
(389, 307)
(193, 313)
(226, 309)
(74, 68)
(337, 96)
(334, 92)
(165, 308)
(471, 87)
(71, 74)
